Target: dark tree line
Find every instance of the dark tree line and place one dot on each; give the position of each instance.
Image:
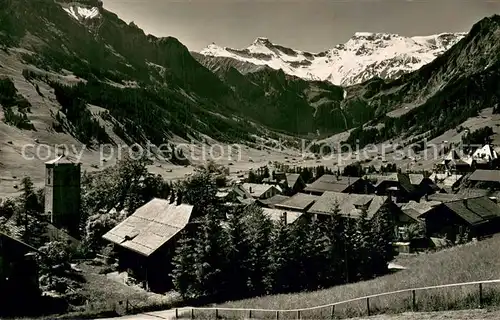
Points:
(249, 255)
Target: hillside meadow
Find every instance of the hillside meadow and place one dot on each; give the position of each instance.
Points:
(471, 262)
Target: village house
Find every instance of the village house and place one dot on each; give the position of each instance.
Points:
(260, 191)
(19, 285)
(475, 216)
(453, 163)
(300, 202)
(485, 179)
(351, 205)
(272, 202)
(336, 183)
(278, 215)
(383, 183)
(485, 157)
(146, 241)
(447, 182)
(290, 183)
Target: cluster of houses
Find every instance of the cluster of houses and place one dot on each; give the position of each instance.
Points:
(459, 197)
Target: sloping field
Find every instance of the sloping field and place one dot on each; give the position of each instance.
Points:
(472, 262)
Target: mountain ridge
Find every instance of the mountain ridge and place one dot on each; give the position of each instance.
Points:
(364, 56)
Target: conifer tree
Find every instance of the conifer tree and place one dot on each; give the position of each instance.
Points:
(184, 267)
(364, 245)
(258, 231)
(238, 250)
(211, 256)
(280, 260)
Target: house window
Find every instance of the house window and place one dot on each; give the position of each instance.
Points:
(49, 176)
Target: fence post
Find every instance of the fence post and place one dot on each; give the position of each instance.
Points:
(332, 315)
(192, 313)
(126, 307)
(216, 313)
(480, 295)
(414, 300)
(298, 314)
(176, 313)
(277, 315)
(368, 306)
(250, 314)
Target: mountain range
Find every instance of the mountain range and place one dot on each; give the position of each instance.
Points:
(67, 59)
(365, 56)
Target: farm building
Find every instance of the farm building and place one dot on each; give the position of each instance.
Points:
(146, 241)
(478, 216)
(335, 183)
(351, 205)
(18, 274)
(301, 202)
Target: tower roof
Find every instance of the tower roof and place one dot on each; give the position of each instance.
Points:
(62, 159)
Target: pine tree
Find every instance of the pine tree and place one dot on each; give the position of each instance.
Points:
(258, 228)
(184, 267)
(364, 244)
(32, 222)
(383, 236)
(211, 256)
(238, 249)
(280, 260)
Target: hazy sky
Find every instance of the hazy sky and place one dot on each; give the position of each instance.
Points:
(312, 25)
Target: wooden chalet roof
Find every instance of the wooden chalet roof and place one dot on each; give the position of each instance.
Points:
(485, 175)
(331, 183)
(299, 201)
(377, 179)
(275, 200)
(291, 179)
(257, 190)
(151, 226)
(277, 214)
(348, 204)
(476, 210)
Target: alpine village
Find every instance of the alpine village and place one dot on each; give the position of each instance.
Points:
(87, 232)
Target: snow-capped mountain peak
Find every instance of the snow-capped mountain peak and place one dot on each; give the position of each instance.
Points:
(365, 55)
(80, 11)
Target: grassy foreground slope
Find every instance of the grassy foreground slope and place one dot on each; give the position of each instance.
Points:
(471, 262)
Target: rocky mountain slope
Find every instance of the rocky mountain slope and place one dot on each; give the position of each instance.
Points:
(363, 57)
(102, 78)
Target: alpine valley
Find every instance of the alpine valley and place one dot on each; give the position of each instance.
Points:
(73, 71)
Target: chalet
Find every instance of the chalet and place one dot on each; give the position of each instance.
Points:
(290, 183)
(350, 205)
(447, 182)
(277, 215)
(485, 179)
(273, 201)
(383, 183)
(301, 202)
(485, 157)
(146, 241)
(452, 162)
(335, 183)
(260, 191)
(294, 183)
(18, 274)
(479, 216)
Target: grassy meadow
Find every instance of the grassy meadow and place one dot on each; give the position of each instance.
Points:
(471, 262)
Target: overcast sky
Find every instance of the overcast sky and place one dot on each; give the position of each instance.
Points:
(312, 25)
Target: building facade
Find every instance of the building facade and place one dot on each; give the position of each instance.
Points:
(62, 193)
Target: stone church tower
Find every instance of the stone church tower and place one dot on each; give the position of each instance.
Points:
(62, 193)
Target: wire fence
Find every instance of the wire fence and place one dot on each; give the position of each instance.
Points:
(410, 296)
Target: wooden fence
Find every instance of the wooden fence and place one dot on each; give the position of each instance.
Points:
(180, 312)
